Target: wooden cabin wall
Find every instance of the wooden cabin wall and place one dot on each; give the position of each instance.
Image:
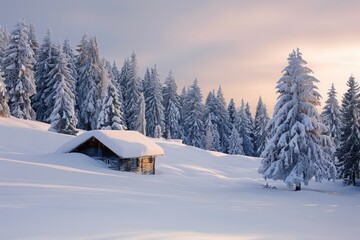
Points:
(95, 149)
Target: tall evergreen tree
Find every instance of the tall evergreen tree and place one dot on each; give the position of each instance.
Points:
(211, 121)
(261, 135)
(124, 76)
(140, 121)
(18, 64)
(89, 86)
(116, 77)
(4, 108)
(212, 137)
(171, 108)
(132, 94)
(154, 106)
(232, 112)
(62, 117)
(245, 129)
(295, 152)
(182, 101)
(193, 117)
(71, 62)
(235, 143)
(349, 150)
(223, 125)
(47, 58)
(331, 115)
(34, 44)
(4, 41)
(110, 117)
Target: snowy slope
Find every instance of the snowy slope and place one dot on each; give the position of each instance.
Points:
(195, 194)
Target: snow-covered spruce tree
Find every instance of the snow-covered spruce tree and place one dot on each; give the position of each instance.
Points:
(81, 56)
(132, 94)
(261, 135)
(4, 41)
(146, 83)
(172, 108)
(212, 138)
(212, 115)
(89, 87)
(4, 108)
(124, 73)
(110, 117)
(245, 128)
(62, 117)
(71, 61)
(154, 105)
(251, 127)
(48, 54)
(295, 153)
(193, 117)
(116, 77)
(348, 151)
(232, 112)
(331, 115)
(34, 44)
(235, 143)
(223, 125)
(140, 121)
(215, 105)
(18, 64)
(182, 100)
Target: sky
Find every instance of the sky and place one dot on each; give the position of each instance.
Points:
(241, 45)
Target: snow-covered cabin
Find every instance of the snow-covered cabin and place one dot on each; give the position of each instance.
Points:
(120, 150)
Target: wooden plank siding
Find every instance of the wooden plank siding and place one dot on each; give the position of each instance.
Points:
(96, 149)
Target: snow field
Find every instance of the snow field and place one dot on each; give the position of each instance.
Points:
(195, 194)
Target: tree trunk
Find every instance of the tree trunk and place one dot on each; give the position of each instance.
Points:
(298, 187)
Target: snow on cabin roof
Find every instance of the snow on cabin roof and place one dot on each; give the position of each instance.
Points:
(126, 144)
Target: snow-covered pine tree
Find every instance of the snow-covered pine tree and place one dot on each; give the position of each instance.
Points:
(140, 121)
(4, 41)
(110, 117)
(251, 127)
(124, 73)
(116, 77)
(71, 61)
(232, 112)
(18, 64)
(89, 86)
(295, 153)
(4, 108)
(348, 151)
(245, 128)
(212, 138)
(235, 143)
(34, 44)
(146, 83)
(132, 94)
(47, 57)
(212, 113)
(62, 117)
(215, 105)
(172, 108)
(223, 124)
(331, 115)
(261, 135)
(182, 100)
(193, 117)
(154, 105)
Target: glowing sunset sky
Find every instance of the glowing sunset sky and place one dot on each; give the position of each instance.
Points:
(240, 45)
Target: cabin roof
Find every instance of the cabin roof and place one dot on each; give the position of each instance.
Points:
(126, 144)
